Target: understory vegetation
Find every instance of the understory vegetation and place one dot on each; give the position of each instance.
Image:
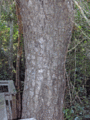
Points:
(77, 98)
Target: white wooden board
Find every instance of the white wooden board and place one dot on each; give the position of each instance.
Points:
(28, 119)
(3, 113)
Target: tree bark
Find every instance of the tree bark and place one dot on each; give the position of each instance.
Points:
(47, 27)
(10, 51)
(19, 53)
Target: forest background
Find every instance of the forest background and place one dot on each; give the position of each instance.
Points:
(12, 58)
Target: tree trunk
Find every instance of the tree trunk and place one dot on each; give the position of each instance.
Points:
(10, 51)
(19, 53)
(47, 27)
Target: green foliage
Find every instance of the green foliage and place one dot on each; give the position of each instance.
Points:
(68, 113)
(77, 104)
(8, 14)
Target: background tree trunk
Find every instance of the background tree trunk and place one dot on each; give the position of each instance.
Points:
(47, 26)
(19, 53)
(10, 51)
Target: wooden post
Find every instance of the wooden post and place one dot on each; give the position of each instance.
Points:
(14, 115)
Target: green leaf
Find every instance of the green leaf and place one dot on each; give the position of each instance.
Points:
(80, 27)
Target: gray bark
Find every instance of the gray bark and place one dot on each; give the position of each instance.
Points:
(47, 27)
(10, 51)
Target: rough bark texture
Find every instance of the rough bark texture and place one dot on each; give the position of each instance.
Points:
(47, 26)
(19, 53)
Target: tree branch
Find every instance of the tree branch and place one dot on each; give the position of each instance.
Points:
(81, 40)
(80, 8)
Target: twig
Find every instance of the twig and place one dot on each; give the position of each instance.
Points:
(80, 8)
(81, 40)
